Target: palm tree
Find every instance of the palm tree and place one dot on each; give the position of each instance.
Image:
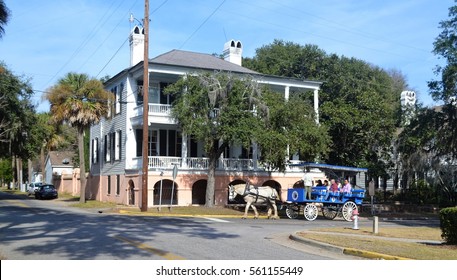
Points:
(4, 15)
(79, 101)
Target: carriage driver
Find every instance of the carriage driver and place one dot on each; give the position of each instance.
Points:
(308, 182)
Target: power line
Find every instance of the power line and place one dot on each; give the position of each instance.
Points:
(107, 37)
(203, 23)
(83, 43)
(112, 57)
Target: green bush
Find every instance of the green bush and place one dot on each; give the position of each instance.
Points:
(448, 224)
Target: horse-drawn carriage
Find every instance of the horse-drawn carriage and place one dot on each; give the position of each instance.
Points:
(330, 203)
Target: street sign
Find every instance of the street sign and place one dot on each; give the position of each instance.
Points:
(175, 171)
(371, 193)
(371, 188)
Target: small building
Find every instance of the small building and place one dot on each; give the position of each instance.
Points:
(59, 168)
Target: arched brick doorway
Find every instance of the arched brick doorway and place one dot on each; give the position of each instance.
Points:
(199, 192)
(164, 192)
(131, 193)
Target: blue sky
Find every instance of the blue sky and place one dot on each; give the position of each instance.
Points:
(46, 39)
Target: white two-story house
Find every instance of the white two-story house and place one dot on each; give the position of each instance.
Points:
(116, 142)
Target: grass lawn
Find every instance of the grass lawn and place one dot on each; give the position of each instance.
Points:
(348, 238)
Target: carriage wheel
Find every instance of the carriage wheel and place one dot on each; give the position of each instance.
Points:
(292, 211)
(329, 212)
(348, 208)
(310, 212)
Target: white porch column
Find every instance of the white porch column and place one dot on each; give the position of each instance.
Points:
(184, 150)
(316, 104)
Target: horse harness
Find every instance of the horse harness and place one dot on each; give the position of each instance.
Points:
(247, 191)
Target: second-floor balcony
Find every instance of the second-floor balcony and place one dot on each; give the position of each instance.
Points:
(161, 113)
(153, 109)
(193, 163)
(201, 164)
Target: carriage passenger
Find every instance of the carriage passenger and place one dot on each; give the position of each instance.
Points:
(347, 188)
(326, 185)
(308, 182)
(334, 186)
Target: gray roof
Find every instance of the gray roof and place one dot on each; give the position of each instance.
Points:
(199, 61)
(61, 158)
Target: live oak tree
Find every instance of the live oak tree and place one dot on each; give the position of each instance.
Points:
(79, 101)
(358, 102)
(445, 89)
(220, 109)
(291, 129)
(216, 109)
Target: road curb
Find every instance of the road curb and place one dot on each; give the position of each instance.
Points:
(370, 255)
(345, 251)
(317, 244)
(170, 214)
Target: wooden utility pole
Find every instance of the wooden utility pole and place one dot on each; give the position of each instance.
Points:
(144, 190)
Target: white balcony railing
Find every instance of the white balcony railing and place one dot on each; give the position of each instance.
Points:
(164, 162)
(153, 109)
(202, 164)
(159, 162)
(236, 164)
(164, 109)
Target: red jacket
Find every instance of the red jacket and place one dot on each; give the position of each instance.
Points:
(334, 187)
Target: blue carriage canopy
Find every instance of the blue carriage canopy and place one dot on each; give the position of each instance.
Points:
(329, 166)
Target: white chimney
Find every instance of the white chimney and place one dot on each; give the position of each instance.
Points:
(233, 51)
(408, 103)
(407, 99)
(136, 45)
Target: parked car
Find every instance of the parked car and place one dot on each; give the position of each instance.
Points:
(46, 191)
(33, 187)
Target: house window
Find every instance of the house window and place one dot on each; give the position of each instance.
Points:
(179, 143)
(139, 142)
(152, 143)
(109, 184)
(246, 153)
(118, 184)
(107, 148)
(117, 91)
(154, 93)
(108, 113)
(139, 93)
(117, 144)
(165, 98)
(113, 107)
(174, 142)
(112, 143)
(95, 150)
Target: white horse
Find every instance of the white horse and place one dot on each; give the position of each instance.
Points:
(256, 195)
